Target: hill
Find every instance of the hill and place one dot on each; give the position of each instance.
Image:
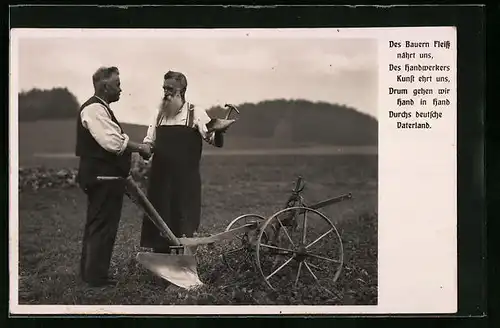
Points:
(55, 103)
(285, 123)
(303, 122)
(47, 124)
(280, 121)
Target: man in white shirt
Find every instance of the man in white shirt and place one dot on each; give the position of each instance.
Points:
(176, 135)
(104, 150)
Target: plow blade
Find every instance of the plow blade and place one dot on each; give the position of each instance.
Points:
(178, 269)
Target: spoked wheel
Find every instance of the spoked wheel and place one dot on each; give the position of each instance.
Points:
(241, 248)
(306, 249)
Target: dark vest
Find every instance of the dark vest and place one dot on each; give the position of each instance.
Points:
(94, 159)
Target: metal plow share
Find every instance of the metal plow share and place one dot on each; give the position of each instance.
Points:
(297, 242)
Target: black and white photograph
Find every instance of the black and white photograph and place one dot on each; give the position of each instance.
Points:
(196, 167)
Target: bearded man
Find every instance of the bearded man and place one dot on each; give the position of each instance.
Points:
(176, 138)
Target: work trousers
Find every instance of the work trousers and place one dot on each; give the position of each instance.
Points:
(105, 201)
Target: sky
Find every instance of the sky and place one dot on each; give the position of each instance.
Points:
(220, 69)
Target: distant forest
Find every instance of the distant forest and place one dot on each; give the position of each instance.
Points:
(293, 120)
(53, 104)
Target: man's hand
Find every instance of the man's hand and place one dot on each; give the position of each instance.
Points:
(223, 130)
(145, 150)
(219, 125)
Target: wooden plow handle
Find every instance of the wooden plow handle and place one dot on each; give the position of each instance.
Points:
(138, 196)
(330, 201)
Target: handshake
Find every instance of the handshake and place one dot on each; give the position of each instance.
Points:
(146, 151)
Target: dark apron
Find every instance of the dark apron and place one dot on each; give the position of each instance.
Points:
(174, 184)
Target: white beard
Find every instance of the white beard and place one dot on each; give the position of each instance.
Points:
(170, 108)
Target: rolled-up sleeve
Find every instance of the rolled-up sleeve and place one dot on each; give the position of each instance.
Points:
(106, 132)
(150, 135)
(202, 118)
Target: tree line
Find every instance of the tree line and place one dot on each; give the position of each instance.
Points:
(280, 119)
(304, 121)
(51, 104)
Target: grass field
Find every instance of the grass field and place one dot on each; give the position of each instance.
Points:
(51, 225)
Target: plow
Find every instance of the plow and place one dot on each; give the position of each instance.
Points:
(298, 243)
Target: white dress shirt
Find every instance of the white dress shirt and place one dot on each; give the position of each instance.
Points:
(97, 119)
(200, 119)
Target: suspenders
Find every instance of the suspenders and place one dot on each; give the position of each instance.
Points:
(190, 114)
